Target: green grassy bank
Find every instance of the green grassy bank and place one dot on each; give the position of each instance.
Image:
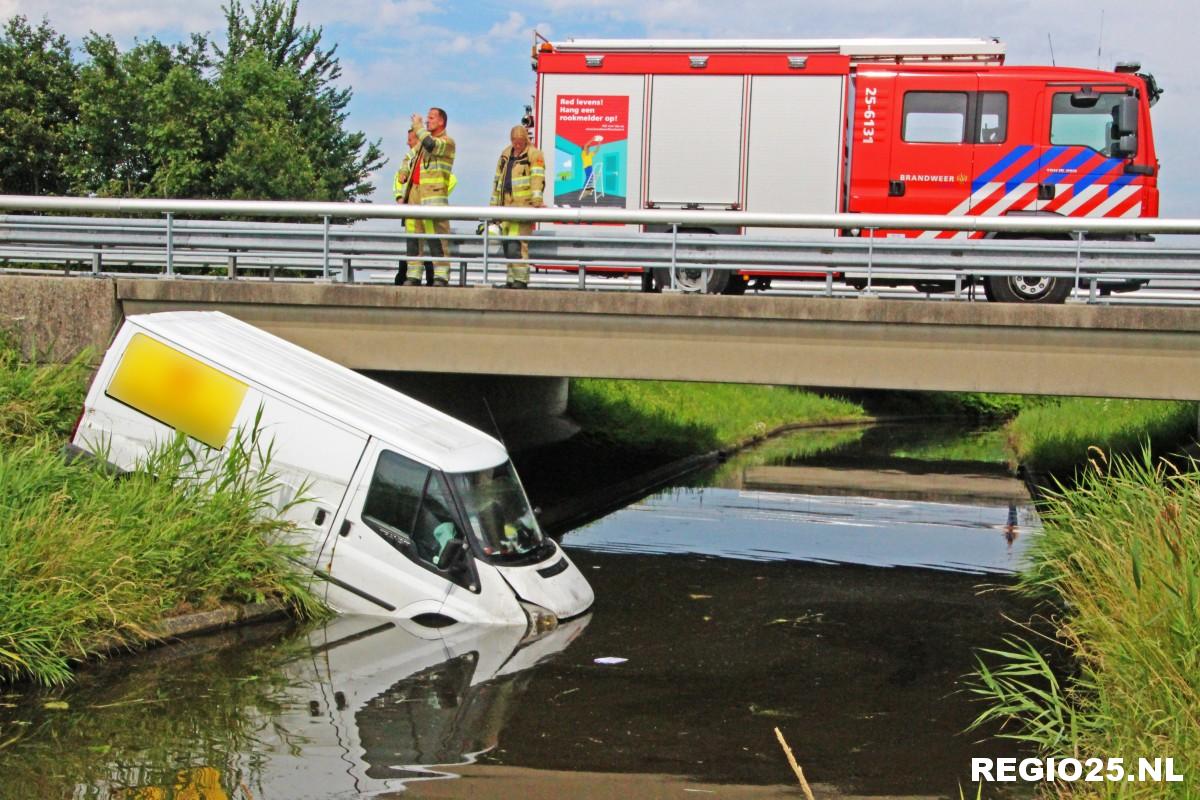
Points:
(1054, 436)
(679, 418)
(90, 561)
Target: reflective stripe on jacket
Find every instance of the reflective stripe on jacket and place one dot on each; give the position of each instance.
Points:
(437, 164)
(528, 177)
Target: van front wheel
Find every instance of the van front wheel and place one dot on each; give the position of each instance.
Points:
(1026, 289)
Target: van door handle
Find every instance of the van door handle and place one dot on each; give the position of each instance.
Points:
(345, 529)
(1047, 191)
(895, 188)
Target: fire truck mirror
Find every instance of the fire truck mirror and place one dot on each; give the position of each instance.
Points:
(1127, 145)
(1126, 116)
(1085, 98)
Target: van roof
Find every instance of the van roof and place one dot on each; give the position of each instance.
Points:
(327, 387)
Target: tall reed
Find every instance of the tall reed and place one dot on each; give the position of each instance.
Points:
(1119, 561)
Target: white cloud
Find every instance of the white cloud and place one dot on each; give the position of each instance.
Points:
(123, 19)
(508, 28)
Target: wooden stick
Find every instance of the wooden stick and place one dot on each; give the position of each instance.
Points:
(787, 751)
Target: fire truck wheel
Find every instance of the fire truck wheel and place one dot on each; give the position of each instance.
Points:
(737, 285)
(694, 279)
(650, 282)
(1027, 289)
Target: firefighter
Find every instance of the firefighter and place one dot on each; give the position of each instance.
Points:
(429, 185)
(401, 191)
(520, 180)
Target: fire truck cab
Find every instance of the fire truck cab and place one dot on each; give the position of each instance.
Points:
(907, 126)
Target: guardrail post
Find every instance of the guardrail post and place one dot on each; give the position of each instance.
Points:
(170, 245)
(829, 283)
(958, 286)
(96, 262)
(1093, 290)
(325, 247)
(347, 271)
(674, 250)
(231, 267)
(870, 260)
(1078, 258)
(487, 225)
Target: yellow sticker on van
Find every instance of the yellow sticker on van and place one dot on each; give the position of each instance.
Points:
(177, 390)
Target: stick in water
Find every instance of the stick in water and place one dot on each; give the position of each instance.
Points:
(787, 751)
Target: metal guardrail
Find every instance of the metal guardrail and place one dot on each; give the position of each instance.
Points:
(173, 246)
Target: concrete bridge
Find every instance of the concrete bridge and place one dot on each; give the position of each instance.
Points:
(1144, 352)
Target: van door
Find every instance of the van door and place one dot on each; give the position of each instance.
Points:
(932, 152)
(384, 555)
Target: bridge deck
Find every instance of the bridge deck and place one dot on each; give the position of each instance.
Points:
(858, 343)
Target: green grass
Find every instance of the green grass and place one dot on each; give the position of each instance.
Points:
(684, 418)
(782, 450)
(1120, 560)
(975, 446)
(92, 561)
(37, 397)
(1055, 437)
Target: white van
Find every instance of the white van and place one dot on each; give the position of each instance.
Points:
(413, 514)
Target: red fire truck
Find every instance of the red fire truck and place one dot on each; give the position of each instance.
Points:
(917, 126)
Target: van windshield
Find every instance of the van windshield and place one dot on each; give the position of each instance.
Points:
(498, 512)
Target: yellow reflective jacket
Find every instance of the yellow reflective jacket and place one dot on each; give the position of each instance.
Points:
(528, 177)
(400, 181)
(437, 166)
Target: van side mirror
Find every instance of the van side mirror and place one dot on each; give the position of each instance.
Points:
(453, 557)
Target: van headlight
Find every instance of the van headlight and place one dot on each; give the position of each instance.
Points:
(541, 621)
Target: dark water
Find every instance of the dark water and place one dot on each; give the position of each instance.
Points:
(845, 620)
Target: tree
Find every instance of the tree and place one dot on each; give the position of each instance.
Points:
(37, 104)
(262, 118)
(340, 160)
(143, 122)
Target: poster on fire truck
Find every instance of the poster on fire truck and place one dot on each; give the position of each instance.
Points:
(591, 150)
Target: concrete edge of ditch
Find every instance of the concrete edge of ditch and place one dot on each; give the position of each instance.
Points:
(201, 622)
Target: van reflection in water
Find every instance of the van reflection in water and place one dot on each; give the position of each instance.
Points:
(371, 706)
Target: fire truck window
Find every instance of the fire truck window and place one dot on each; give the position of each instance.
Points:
(993, 118)
(1090, 127)
(939, 117)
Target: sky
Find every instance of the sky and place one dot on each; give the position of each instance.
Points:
(402, 56)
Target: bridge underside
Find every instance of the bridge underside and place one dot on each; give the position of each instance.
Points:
(1057, 350)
